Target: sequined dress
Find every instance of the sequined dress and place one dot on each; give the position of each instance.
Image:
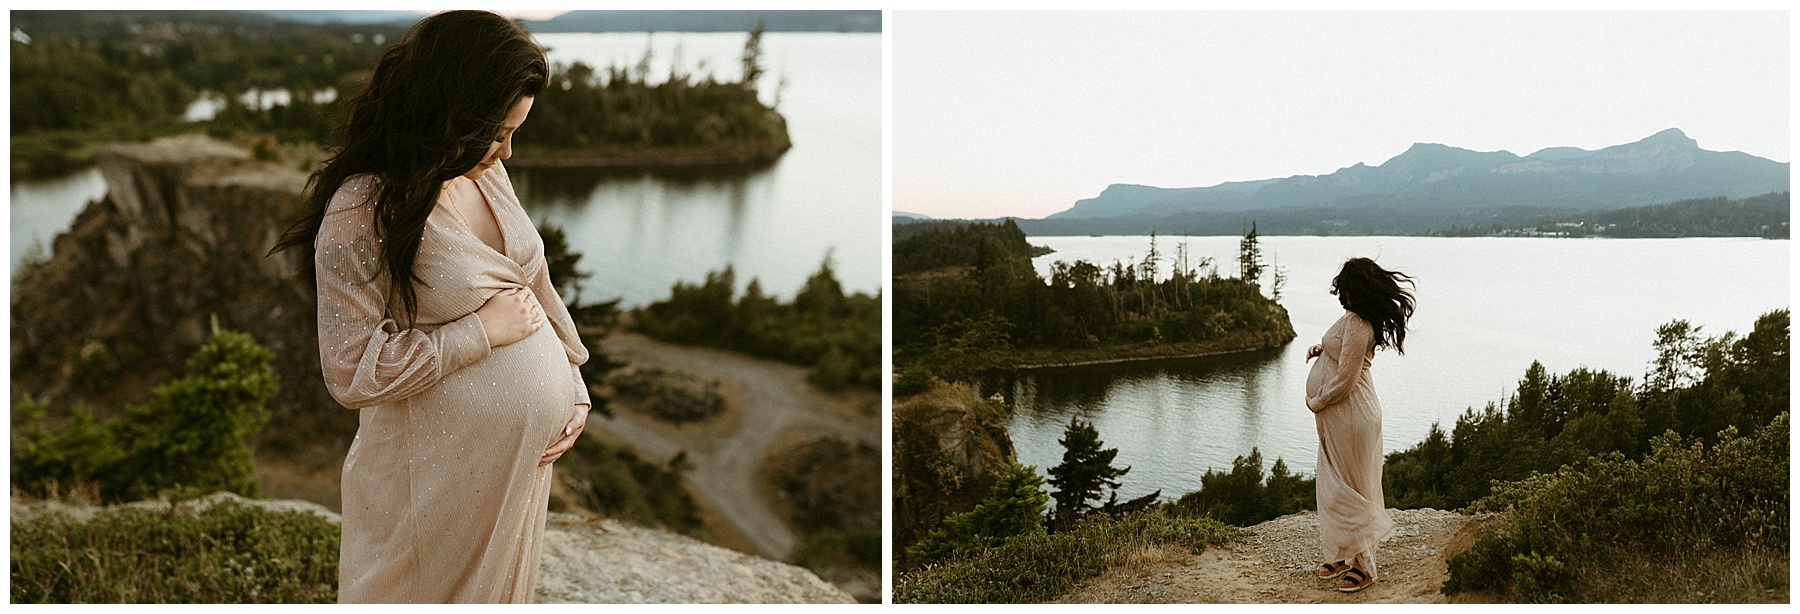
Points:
(1352, 515)
(443, 500)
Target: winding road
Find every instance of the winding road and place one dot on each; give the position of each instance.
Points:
(770, 406)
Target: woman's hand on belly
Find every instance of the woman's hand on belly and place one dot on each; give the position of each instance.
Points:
(510, 315)
(571, 432)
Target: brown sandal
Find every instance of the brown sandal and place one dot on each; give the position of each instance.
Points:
(1358, 580)
(1332, 570)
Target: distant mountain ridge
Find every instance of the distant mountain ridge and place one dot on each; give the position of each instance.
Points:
(1430, 177)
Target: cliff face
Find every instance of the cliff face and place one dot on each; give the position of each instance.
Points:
(950, 446)
(181, 236)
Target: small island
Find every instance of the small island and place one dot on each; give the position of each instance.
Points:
(967, 300)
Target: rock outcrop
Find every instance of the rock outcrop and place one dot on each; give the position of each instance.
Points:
(950, 446)
(181, 236)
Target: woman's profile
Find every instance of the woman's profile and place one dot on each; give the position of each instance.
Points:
(1353, 518)
(433, 298)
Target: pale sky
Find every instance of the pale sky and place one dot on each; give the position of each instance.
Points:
(1023, 113)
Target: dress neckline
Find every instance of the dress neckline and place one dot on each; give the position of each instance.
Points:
(499, 225)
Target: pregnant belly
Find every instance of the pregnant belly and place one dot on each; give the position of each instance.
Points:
(1320, 372)
(523, 388)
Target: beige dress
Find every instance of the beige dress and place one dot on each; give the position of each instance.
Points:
(1352, 516)
(443, 500)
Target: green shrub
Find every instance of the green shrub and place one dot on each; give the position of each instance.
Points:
(838, 335)
(1589, 519)
(1040, 566)
(1014, 507)
(192, 435)
(1242, 498)
(834, 488)
(226, 553)
(668, 395)
(617, 482)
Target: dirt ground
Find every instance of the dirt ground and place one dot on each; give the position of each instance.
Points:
(1274, 563)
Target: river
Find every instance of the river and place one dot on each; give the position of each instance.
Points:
(1487, 307)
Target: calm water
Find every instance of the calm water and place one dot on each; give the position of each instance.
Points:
(1486, 309)
(640, 232)
(40, 209)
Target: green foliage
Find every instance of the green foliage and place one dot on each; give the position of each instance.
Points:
(1037, 567)
(89, 77)
(1084, 471)
(1242, 498)
(1696, 387)
(834, 487)
(838, 335)
(1250, 262)
(670, 396)
(617, 482)
(1015, 507)
(584, 108)
(954, 278)
(192, 435)
(1594, 518)
(225, 553)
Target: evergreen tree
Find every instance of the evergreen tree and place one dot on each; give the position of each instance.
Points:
(1014, 507)
(1250, 263)
(1085, 469)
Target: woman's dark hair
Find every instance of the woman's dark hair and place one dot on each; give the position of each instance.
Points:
(1374, 294)
(432, 107)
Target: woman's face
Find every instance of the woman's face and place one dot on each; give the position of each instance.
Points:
(501, 148)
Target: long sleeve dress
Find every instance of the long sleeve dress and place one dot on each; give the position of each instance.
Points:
(1352, 515)
(443, 500)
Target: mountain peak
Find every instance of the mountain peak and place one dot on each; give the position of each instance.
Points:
(1672, 136)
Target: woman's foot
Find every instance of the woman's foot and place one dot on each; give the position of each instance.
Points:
(1332, 570)
(1354, 580)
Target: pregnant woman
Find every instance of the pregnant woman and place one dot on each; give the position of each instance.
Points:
(433, 299)
(1352, 516)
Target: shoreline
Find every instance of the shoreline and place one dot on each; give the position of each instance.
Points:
(1227, 346)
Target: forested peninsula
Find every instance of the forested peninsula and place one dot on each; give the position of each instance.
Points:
(82, 79)
(968, 300)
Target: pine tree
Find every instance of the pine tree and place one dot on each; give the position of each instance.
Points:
(1085, 469)
(1014, 507)
(1250, 263)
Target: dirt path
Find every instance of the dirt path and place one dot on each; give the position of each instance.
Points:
(1275, 563)
(771, 406)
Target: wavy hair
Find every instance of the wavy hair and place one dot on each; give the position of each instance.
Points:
(433, 105)
(1374, 294)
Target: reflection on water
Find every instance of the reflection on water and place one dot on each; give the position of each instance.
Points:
(1170, 420)
(640, 231)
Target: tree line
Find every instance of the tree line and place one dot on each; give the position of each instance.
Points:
(1696, 387)
(967, 300)
(1764, 216)
(838, 335)
(84, 78)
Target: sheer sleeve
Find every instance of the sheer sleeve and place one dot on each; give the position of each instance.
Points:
(564, 324)
(1358, 341)
(365, 355)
